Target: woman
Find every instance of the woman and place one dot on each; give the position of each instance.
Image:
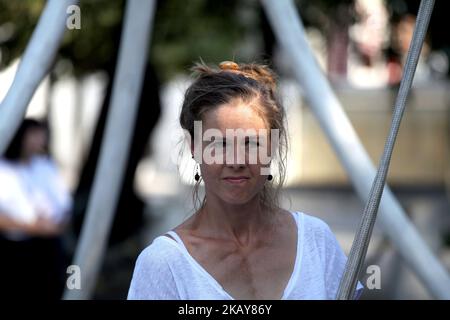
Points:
(240, 244)
(34, 209)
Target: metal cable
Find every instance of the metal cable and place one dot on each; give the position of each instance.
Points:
(360, 244)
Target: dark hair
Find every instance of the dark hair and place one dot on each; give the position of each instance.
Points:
(14, 150)
(215, 86)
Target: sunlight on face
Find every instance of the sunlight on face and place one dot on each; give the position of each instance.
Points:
(236, 179)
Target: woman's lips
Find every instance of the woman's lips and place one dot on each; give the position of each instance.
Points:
(236, 180)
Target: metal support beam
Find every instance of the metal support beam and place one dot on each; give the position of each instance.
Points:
(114, 150)
(36, 62)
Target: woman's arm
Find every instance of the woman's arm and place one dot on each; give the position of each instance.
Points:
(8, 224)
(41, 227)
(152, 277)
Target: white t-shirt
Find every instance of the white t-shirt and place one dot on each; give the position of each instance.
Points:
(32, 189)
(166, 271)
(14, 202)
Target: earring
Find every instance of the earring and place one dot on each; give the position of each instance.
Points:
(269, 177)
(197, 176)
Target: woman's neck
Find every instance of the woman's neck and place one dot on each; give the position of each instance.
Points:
(242, 223)
(25, 158)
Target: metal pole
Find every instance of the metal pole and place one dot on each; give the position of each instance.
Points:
(34, 66)
(113, 154)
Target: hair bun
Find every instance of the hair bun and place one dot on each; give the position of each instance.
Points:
(228, 65)
(258, 72)
(261, 73)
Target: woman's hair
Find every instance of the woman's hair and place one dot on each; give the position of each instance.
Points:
(14, 150)
(214, 86)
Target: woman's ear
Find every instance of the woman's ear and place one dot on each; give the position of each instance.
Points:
(192, 148)
(189, 139)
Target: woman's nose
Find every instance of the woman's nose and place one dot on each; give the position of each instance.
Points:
(235, 156)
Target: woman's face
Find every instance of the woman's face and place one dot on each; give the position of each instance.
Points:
(237, 178)
(34, 142)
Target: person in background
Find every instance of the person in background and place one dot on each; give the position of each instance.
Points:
(35, 208)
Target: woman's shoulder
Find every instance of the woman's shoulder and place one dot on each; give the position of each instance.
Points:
(6, 167)
(152, 275)
(43, 163)
(316, 229)
(312, 223)
(159, 252)
(9, 177)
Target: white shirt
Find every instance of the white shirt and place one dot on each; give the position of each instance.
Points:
(32, 189)
(165, 269)
(14, 202)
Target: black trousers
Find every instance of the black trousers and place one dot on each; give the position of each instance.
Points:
(32, 269)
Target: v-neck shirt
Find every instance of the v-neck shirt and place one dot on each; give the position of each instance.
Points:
(166, 270)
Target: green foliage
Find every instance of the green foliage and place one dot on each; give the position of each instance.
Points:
(88, 49)
(17, 21)
(184, 31)
(93, 46)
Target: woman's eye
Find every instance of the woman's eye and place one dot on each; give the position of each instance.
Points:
(220, 145)
(252, 143)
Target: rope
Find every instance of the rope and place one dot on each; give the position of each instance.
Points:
(360, 244)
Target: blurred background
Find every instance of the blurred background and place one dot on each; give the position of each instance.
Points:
(360, 46)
